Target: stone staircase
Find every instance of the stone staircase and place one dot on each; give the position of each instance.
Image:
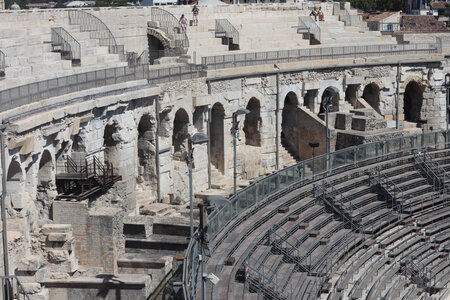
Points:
(151, 244)
(33, 58)
(286, 156)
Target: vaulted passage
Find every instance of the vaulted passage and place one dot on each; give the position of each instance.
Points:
(252, 123)
(371, 94)
(331, 93)
(15, 178)
(155, 48)
(351, 95)
(180, 134)
(46, 170)
(412, 102)
(111, 140)
(217, 137)
(289, 124)
(146, 149)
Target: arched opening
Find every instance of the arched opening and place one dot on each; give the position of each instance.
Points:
(146, 148)
(309, 98)
(111, 140)
(180, 134)
(252, 123)
(197, 117)
(14, 178)
(155, 48)
(371, 94)
(333, 93)
(289, 123)
(351, 95)
(217, 137)
(46, 168)
(412, 102)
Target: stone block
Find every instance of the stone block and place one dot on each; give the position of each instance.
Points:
(42, 275)
(69, 266)
(18, 200)
(42, 295)
(58, 256)
(359, 123)
(343, 121)
(201, 100)
(30, 263)
(59, 237)
(31, 287)
(354, 80)
(56, 228)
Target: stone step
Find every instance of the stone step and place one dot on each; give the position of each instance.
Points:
(158, 242)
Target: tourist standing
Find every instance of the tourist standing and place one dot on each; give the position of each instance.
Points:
(195, 12)
(183, 23)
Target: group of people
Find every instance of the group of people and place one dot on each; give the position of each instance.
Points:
(183, 20)
(317, 13)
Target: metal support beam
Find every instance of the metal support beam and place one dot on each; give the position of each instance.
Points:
(158, 121)
(277, 125)
(397, 97)
(3, 203)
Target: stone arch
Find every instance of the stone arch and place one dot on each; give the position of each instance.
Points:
(180, 134)
(289, 122)
(332, 92)
(371, 94)
(351, 95)
(146, 148)
(217, 137)
(412, 101)
(157, 45)
(111, 141)
(15, 183)
(46, 169)
(252, 123)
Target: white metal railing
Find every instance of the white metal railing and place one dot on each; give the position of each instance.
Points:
(66, 43)
(2, 64)
(225, 27)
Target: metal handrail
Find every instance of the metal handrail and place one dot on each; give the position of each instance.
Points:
(333, 163)
(2, 64)
(420, 161)
(170, 24)
(8, 288)
(67, 42)
(295, 55)
(381, 179)
(307, 23)
(440, 171)
(143, 59)
(98, 30)
(223, 25)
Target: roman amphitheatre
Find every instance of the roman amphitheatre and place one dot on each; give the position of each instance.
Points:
(258, 155)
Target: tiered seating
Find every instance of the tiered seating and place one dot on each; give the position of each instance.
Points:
(31, 59)
(297, 242)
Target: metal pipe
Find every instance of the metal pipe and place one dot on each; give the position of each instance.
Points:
(234, 160)
(158, 184)
(208, 128)
(328, 135)
(3, 203)
(191, 196)
(397, 100)
(277, 128)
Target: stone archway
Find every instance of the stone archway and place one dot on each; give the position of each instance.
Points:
(351, 95)
(45, 184)
(15, 182)
(46, 170)
(180, 134)
(371, 94)
(217, 137)
(146, 150)
(332, 92)
(412, 102)
(111, 141)
(252, 123)
(289, 123)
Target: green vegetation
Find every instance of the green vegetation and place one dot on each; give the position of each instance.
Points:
(382, 5)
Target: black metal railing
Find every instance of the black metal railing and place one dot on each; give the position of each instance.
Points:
(65, 43)
(12, 289)
(225, 28)
(428, 169)
(98, 30)
(170, 24)
(392, 192)
(2, 64)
